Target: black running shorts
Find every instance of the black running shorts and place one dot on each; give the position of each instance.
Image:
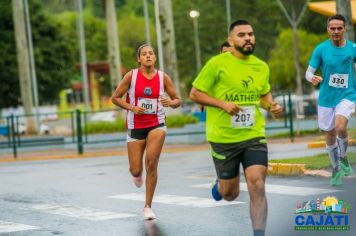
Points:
(142, 133)
(228, 156)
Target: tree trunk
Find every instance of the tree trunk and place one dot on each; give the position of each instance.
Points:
(298, 77)
(23, 63)
(168, 41)
(113, 44)
(343, 7)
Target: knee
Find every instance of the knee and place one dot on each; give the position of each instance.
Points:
(340, 130)
(151, 164)
(257, 188)
(230, 194)
(135, 172)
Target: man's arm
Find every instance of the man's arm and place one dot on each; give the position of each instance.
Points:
(314, 79)
(204, 99)
(270, 105)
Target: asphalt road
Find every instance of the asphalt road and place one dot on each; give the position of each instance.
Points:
(96, 196)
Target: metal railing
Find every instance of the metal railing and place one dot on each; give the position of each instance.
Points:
(78, 136)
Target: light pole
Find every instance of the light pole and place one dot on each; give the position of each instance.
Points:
(83, 57)
(159, 36)
(228, 15)
(147, 26)
(194, 15)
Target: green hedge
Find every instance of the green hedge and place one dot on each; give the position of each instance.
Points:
(180, 121)
(120, 124)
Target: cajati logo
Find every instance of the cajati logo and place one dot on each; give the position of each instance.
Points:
(329, 213)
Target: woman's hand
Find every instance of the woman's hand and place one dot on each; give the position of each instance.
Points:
(137, 110)
(165, 100)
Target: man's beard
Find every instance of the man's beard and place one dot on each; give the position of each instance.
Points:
(245, 52)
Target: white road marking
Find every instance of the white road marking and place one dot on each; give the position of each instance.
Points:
(7, 227)
(177, 200)
(282, 189)
(79, 212)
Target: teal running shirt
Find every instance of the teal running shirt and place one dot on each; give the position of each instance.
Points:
(336, 64)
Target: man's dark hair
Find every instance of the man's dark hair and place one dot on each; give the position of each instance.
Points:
(336, 17)
(237, 23)
(224, 44)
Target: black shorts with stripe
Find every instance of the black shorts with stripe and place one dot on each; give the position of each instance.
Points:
(228, 156)
(142, 133)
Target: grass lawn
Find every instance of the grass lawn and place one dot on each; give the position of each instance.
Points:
(315, 162)
(319, 136)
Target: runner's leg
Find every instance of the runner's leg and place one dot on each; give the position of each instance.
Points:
(229, 189)
(155, 140)
(343, 113)
(255, 178)
(135, 153)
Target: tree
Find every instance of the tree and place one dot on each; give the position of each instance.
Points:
(23, 61)
(212, 29)
(50, 61)
(343, 7)
(294, 19)
(168, 41)
(9, 88)
(281, 58)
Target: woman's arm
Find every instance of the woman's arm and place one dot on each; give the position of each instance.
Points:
(174, 100)
(120, 91)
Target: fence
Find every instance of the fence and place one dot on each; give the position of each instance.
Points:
(76, 134)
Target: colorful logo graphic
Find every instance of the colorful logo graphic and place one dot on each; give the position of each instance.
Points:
(327, 214)
(147, 91)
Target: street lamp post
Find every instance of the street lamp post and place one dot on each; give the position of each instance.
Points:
(147, 26)
(194, 15)
(228, 15)
(83, 57)
(159, 36)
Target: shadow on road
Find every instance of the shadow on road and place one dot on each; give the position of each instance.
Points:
(152, 228)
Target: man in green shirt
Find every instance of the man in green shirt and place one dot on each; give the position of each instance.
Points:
(232, 86)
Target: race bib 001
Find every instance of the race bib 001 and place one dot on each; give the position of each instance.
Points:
(150, 105)
(244, 119)
(339, 80)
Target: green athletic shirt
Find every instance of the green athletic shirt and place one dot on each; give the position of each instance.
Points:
(228, 78)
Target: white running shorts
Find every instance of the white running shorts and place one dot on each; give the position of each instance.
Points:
(326, 115)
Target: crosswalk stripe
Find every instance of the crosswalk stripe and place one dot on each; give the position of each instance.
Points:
(8, 227)
(282, 189)
(177, 200)
(79, 212)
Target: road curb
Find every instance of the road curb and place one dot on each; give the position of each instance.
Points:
(286, 169)
(46, 156)
(321, 144)
(57, 157)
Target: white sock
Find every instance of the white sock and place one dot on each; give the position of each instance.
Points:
(333, 155)
(342, 143)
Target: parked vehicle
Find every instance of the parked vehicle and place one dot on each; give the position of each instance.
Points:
(21, 129)
(108, 116)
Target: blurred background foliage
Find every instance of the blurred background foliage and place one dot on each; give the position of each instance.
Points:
(56, 47)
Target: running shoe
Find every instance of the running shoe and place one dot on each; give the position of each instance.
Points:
(148, 214)
(345, 166)
(214, 191)
(138, 181)
(336, 178)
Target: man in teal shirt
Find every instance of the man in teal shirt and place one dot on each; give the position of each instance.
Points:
(232, 86)
(335, 57)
